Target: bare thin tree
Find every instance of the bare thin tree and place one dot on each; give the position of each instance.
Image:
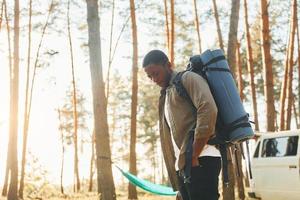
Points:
(92, 163)
(25, 125)
(75, 116)
(239, 71)
(167, 25)
(8, 37)
(172, 32)
(239, 172)
(110, 49)
(298, 39)
(132, 193)
(228, 191)
(37, 57)
(5, 185)
(267, 66)
(113, 50)
(1, 14)
(250, 66)
(283, 91)
(62, 153)
(232, 36)
(28, 94)
(295, 112)
(106, 187)
(196, 22)
(14, 109)
(218, 24)
(284, 85)
(291, 65)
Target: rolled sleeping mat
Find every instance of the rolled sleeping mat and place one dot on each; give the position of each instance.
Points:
(233, 122)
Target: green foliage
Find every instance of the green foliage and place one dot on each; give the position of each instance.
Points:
(119, 116)
(67, 117)
(36, 180)
(148, 115)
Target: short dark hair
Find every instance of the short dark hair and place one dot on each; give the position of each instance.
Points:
(157, 57)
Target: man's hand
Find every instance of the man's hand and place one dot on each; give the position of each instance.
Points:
(198, 146)
(178, 196)
(195, 161)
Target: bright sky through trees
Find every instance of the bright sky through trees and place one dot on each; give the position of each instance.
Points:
(53, 81)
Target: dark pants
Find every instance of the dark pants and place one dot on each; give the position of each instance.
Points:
(204, 180)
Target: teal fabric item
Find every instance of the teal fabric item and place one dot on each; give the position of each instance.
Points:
(148, 186)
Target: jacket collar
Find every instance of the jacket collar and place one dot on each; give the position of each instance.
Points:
(173, 75)
(163, 90)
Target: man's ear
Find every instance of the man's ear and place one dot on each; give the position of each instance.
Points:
(169, 66)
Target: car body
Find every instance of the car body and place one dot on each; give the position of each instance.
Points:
(275, 166)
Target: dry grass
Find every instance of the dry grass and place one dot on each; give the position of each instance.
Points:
(93, 196)
(121, 195)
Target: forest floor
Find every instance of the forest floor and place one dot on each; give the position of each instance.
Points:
(49, 194)
(93, 196)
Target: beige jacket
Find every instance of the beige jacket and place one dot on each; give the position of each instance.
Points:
(183, 119)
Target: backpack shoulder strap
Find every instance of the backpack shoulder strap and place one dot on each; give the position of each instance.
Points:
(179, 86)
(181, 89)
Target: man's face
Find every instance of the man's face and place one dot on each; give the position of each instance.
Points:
(160, 74)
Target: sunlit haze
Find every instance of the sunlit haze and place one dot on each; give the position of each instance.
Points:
(53, 81)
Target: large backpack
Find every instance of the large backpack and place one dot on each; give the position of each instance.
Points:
(233, 125)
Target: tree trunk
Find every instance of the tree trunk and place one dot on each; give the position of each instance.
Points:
(62, 155)
(1, 15)
(228, 192)
(106, 185)
(283, 90)
(239, 172)
(267, 65)
(196, 21)
(92, 163)
(218, 25)
(298, 39)
(132, 194)
(239, 72)
(172, 36)
(251, 67)
(75, 117)
(8, 39)
(232, 37)
(13, 123)
(167, 25)
(291, 65)
(5, 185)
(247, 173)
(153, 160)
(25, 125)
(295, 112)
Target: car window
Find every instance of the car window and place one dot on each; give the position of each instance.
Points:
(256, 153)
(279, 147)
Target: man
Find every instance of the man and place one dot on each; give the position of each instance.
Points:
(177, 118)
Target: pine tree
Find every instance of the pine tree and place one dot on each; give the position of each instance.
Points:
(14, 108)
(267, 65)
(132, 194)
(105, 181)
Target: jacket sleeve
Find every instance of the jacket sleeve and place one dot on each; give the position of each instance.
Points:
(199, 92)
